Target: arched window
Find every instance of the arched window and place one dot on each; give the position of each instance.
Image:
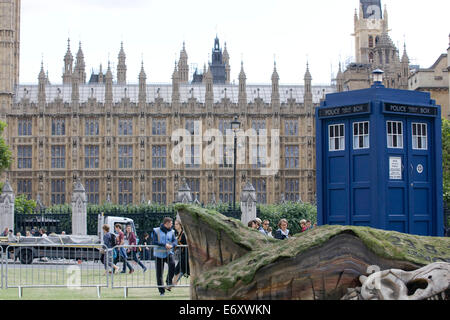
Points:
(371, 57)
(370, 41)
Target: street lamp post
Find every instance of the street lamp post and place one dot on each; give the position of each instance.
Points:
(235, 126)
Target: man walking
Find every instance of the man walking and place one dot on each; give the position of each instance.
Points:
(109, 242)
(165, 240)
(122, 251)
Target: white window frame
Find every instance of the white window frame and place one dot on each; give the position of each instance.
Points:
(416, 137)
(332, 140)
(390, 136)
(358, 135)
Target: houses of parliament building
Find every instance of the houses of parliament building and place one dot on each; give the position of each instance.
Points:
(115, 136)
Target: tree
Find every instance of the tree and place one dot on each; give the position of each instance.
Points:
(446, 158)
(5, 152)
(23, 205)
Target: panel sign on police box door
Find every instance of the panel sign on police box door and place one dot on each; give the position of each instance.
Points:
(395, 168)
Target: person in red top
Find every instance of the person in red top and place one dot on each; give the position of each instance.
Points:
(131, 237)
(122, 252)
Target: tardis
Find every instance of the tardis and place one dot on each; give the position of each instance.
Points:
(379, 160)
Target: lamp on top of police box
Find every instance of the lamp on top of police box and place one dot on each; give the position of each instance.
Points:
(377, 76)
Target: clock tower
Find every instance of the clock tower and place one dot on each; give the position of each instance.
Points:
(370, 23)
(9, 51)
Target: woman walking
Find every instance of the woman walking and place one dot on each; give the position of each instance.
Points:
(182, 267)
(130, 236)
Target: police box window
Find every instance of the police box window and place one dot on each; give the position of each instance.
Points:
(395, 134)
(337, 137)
(419, 136)
(361, 138)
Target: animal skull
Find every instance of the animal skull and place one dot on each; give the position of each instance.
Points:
(429, 282)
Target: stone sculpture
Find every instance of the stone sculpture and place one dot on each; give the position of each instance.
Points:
(431, 282)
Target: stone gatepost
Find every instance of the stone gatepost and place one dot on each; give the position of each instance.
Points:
(79, 210)
(248, 203)
(7, 207)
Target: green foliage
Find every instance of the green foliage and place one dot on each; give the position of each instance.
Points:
(292, 212)
(24, 206)
(5, 152)
(446, 158)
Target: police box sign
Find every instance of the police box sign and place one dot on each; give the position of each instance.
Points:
(343, 111)
(398, 108)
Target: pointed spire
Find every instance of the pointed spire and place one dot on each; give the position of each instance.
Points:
(275, 86)
(242, 73)
(209, 95)
(308, 74)
(68, 65)
(183, 67)
(405, 58)
(175, 85)
(242, 87)
(42, 83)
(142, 85)
(108, 85)
(226, 62)
(121, 66)
(142, 74)
(275, 76)
(308, 80)
(42, 72)
(80, 66)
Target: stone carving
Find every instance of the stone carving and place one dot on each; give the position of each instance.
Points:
(431, 282)
(184, 193)
(248, 203)
(79, 210)
(231, 261)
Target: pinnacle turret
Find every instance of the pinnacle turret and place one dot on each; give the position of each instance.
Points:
(68, 65)
(121, 66)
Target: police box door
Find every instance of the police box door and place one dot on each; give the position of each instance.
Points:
(409, 187)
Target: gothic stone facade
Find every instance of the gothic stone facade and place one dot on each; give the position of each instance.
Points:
(116, 137)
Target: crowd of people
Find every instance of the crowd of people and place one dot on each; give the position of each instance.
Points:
(282, 232)
(29, 233)
(168, 241)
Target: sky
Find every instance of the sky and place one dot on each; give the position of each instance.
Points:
(291, 32)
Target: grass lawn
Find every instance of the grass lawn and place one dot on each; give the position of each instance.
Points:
(91, 274)
(91, 294)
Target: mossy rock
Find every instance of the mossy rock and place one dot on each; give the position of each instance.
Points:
(327, 252)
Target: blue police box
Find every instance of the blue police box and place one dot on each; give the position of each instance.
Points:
(379, 160)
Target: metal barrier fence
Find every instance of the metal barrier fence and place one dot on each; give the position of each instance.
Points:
(54, 266)
(144, 273)
(91, 266)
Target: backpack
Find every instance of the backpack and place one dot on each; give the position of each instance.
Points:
(113, 240)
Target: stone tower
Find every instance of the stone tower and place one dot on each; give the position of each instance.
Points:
(80, 66)
(369, 26)
(68, 65)
(122, 67)
(226, 62)
(183, 67)
(9, 51)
